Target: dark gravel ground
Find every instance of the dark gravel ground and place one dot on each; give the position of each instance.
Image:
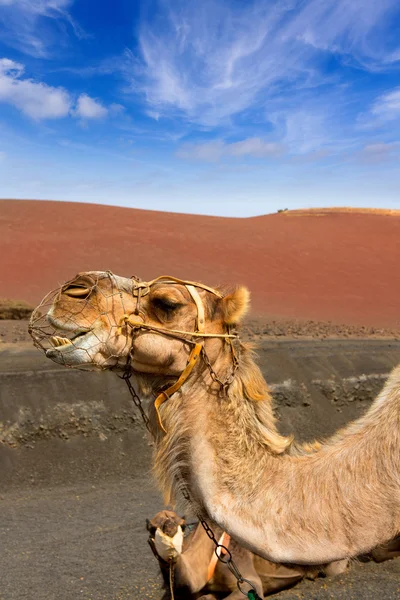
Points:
(86, 541)
(89, 542)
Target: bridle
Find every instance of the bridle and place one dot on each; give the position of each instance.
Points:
(196, 337)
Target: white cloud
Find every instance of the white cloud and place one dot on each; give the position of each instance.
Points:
(385, 109)
(40, 101)
(387, 106)
(352, 29)
(210, 60)
(11, 68)
(35, 26)
(217, 149)
(36, 100)
(88, 108)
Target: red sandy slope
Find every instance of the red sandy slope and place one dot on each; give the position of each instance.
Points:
(324, 265)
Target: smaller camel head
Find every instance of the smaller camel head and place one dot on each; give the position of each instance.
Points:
(166, 520)
(166, 534)
(85, 323)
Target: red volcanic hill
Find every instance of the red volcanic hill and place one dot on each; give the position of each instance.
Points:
(330, 264)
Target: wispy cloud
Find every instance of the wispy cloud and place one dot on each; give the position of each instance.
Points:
(303, 130)
(209, 61)
(382, 112)
(387, 106)
(36, 26)
(215, 150)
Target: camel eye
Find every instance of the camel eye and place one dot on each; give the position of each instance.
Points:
(77, 291)
(165, 304)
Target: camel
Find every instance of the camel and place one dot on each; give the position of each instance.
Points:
(198, 575)
(216, 440)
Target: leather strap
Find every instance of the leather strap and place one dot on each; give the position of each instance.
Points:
(127, 319)
(163, 396)
(224, 541)
(169, 279)
(200, 308)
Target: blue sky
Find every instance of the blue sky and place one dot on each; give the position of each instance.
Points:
(227, 107)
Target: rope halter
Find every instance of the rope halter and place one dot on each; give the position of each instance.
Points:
(142, 288)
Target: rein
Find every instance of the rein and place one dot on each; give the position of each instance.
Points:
(141, 289)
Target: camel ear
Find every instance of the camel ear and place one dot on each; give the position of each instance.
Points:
(235, 305)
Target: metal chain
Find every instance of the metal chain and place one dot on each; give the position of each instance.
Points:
(227, 557)
(136, 400)
(224, 385)
(224, 557)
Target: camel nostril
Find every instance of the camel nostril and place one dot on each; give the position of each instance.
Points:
(170, 528)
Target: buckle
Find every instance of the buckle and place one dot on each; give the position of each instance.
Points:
(140, 289)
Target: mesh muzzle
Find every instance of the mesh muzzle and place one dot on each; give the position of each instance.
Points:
(60, 326)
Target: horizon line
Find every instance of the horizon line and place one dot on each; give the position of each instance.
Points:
(312, 211)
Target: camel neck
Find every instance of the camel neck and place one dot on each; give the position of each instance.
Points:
(292, 507)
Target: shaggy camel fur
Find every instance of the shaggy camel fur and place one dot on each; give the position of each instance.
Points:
(286, 505)
(191, 565)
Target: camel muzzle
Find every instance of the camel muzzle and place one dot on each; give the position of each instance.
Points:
(66, 322)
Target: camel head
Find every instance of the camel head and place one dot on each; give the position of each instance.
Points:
(167, 521)
(166, 534)
(100, 320)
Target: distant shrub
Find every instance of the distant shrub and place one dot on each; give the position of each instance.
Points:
(282, 210)
(14, 309)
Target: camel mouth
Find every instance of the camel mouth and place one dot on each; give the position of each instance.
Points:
(66, 334)
(60, 342)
